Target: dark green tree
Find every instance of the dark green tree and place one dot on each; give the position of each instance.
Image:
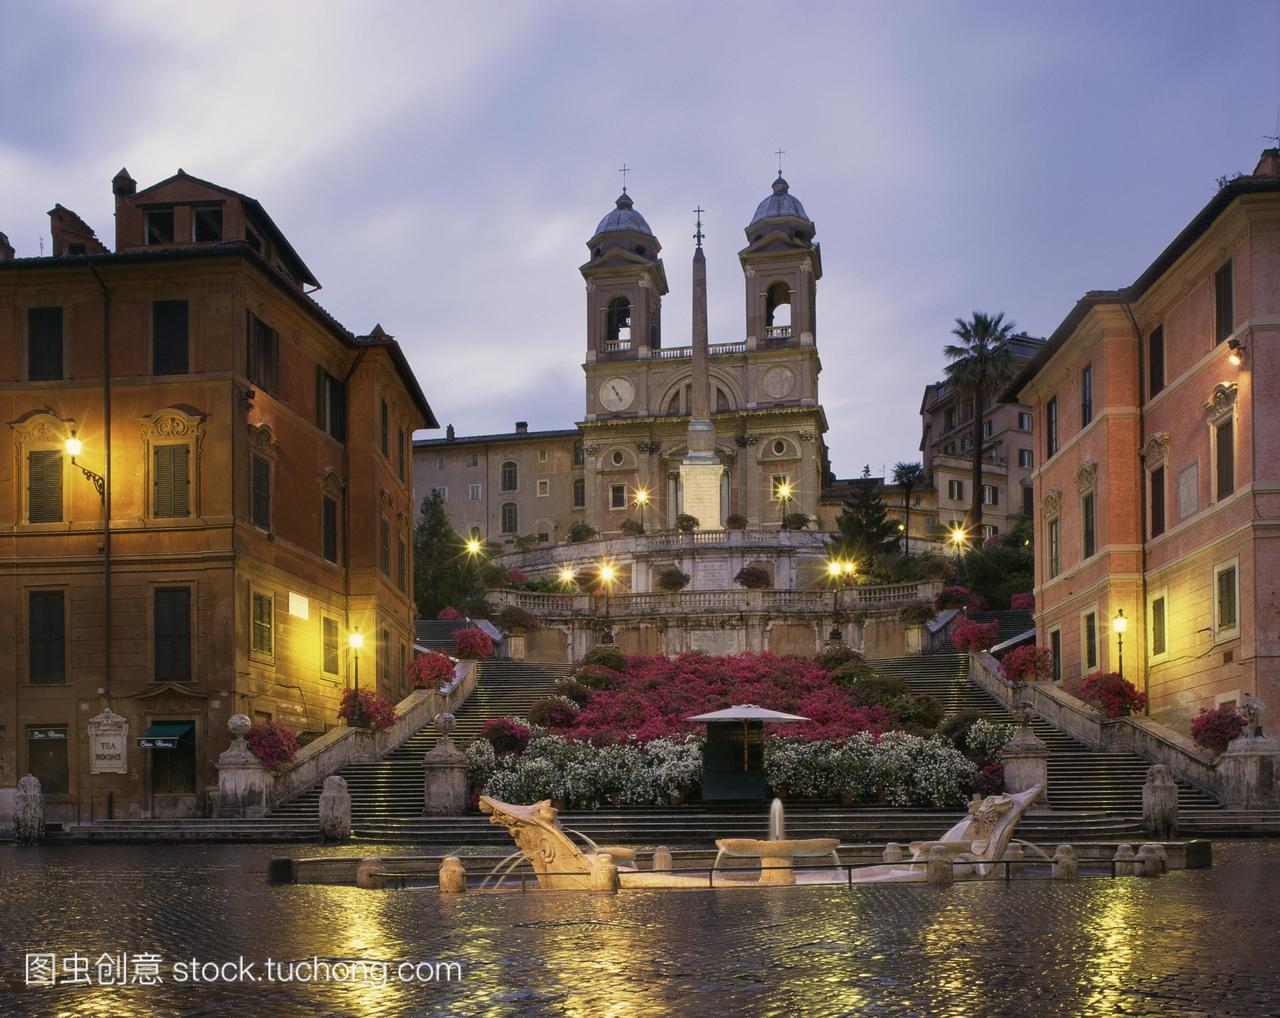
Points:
(909, 477)
(444, 574)
(864, 527)
(981, 364)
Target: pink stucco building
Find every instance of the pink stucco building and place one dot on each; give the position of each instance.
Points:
(1157, 486)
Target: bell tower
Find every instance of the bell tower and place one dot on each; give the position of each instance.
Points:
(781, 265)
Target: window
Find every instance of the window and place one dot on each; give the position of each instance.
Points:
(955, 490)
(47, 757)
(510, 518)
(263, 366)
(1086, 395)
(400, 453)
(206, 224)
(1054, 544)
(1055, 648)
(1088, 506)
(949, 420)
(1225, 454)
(1225, 597)
(990, 494)
(579, 492)
(384, 546)
(46, 636)
(990, 530)
(544, 489)
(1223, 304)
(44, 486)
(544, 535)
(329, 528)
(260, 496)
(1089, 641)
(159, 223)
(578, 454)
(542, 455)
(262, 624)
(331, 405)
(1024, 420)
(402, 565)
(509, 476)
(1028, 501)
(252, 239)
(1158, 613)
(440, 461)
(617, 458)
(329, 645)
(618, 320)
(617, 496)
(172, 634)
(473, 493)
(169, 337)
(1026, 458)
(1189, 490)
(473, 460)
(44, 343)
(384, 656)
(384, 434)
(988, 428)
(949, 448)
(1155, 501)
(1051, 427)
(170, 481)
(1155, 361)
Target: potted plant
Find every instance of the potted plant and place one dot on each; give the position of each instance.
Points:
(472, 643)
(753, 577)
(430, 670)
(272, 743)
(671, 579)
(735, 521)
(582, 531)
(1214, 729)
(686, 524)
(632, 528)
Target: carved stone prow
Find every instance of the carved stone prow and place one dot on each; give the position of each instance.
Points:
(555, 859)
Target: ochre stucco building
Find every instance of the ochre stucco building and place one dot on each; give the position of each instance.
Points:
(254, 460)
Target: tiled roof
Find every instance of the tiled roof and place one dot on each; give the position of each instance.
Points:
(509, 436)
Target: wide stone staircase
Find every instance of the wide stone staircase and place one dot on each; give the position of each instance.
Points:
(1011, 623)
(437, 634)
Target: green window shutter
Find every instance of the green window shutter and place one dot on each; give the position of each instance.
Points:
(1159, 635)
(47, 642)
(171, 482)
(263, 630)
(261, 493)
(1227, 599)
(44, 487)
(330, 648)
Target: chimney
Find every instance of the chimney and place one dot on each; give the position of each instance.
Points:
(449, 433)
(522, 427)
(124, 187)
(1269, 164)
(6, 249)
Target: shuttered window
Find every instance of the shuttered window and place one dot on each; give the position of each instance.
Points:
(1091, 641)
(171, 482)
(261, 493)
(329, 528)
(47, 643)
(263, 362)
(1159, 627)
(329, 645)
(331, 405)
(1155, 361)
(1225, 448)
(263, 624)
(385, 439)
(44, 486)
(1050, 428)
(1086, 395)
(44, 343)
(1088, 514)
(1157, 501)
(510, 518)
(400, 453)
(509, 476)
(1223, 304)
(1055, 647)
(169, 337)
(402, 565)
(1225, 596)
(384, 546)
(173, 633)
(1055, 549)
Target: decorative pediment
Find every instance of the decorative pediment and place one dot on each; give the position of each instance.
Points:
(330, 483)
(678, 452)
(1156, 451)
(1051, 504)
(1223, 400)
(178, 421)
(1087, 475)
(261, 439)
(41, 426)
(172, 698)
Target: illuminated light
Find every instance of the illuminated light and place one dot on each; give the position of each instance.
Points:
(958, 536)
(74, 445)
(641, 496)
(850, 567)
(355, 641)
(834, 568)
(568, 575)
(473, 546)
(1120, 623)
(784, 491)
(607, 573)
(1236, 356)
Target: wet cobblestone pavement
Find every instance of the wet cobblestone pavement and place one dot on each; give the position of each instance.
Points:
(1193, 943)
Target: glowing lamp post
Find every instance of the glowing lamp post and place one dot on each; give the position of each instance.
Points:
(355, 641)
(641, 499)
(606, 574)
(839, 572)
(958, 539)
(568, 577)
(783, 492)
(1120, 624)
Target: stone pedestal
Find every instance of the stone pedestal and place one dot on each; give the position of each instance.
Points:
(335, 810)
(700, 483)
(604, 874)
(515, 646)
(444, 784)
(242, 780)
(1015, 854)
(938, 869)
(28, 811)
(1148, 861)
(453, 878)
(892, 852)
(1160, 803)
(368, 875)
(1247, 772)
(776, 871)
(1065, 864)
(1124, 861)
(1026, 761)
(662, 859)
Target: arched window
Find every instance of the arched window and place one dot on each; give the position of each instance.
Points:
(510, 476)
(777, 310)
(510, 518)
(618, 320)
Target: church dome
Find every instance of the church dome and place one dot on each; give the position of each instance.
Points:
(781, 204)
(624, 217)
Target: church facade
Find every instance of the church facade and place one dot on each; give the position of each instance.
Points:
(629, 457)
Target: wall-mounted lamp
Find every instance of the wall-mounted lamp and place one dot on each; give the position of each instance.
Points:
(1238, 350)
(74, 448)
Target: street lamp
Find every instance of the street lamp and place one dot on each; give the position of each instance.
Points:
(839, 571)
(74, 448)
(958, 538)
(782, 492)
(606, 574)
(474, 546)
(355, 641)
(1120, 624)
(641, 499)
(568, 576)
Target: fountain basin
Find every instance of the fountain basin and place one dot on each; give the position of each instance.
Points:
(776, 856)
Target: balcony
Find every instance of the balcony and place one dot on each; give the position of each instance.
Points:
(617, 345)
(677, 353)
(777, 332)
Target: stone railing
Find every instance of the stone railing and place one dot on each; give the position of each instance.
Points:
(621, 548)
(676, 353)
(340, 746)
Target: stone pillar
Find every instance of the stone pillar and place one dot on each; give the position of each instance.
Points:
(444, 785)
(453, 878)
(1148, 864)
(1015, 853)
(1248, 770)
(938, 869)
(1160, 803)
(367, 875)
(1026, 760)
(604, 874)
(662, 858)
(1065, 864)
(28, 812)
(892, 852)
(242, 780)
(335, 810)
(1124, 861)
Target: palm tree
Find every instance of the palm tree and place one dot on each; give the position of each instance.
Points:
(909, 477)
(981, 363)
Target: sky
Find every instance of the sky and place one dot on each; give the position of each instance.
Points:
(441, 167)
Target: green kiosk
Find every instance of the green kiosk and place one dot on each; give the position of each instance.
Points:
(733, 759)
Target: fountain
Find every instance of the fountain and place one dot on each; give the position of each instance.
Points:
(777, 855)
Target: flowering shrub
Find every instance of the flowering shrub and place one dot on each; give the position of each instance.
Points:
(506, 735)
(969, 635)
(515, 575)
(836, 654)
(606, 655)
(472, 643)
(1114, 696)
(481, 762)
(985, 740)
(375, 708)
(554, 712)
(686, 523)
(430, 670)
(1027, 664)
(804, 769)
(597, 677)
(990, 780)
(1025, 601)
(574, 690)
(273, 744)
(450, 615)
(1214, 729)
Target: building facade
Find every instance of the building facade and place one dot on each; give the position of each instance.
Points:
(207, 491)
(1158, 485)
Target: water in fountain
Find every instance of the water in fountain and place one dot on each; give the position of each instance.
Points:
(777, 821)
(510, 862)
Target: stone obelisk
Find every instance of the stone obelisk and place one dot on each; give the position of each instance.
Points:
(700, 472)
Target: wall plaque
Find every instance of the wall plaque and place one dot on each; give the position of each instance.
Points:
(108, 743)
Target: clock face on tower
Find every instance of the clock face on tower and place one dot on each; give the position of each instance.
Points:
(616, 394)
